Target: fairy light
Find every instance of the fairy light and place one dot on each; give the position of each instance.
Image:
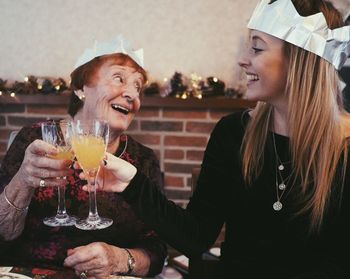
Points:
(13, 94)
(26, 79)
(0, 93)
(215, 79)
(57, 87)
(40, 86)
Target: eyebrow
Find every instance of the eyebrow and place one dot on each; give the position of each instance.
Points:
(256, 37)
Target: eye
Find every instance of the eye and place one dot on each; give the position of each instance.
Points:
(137, 86)
(118, 78)
(256, 50)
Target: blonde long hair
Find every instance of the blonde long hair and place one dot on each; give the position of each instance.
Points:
(318, 127)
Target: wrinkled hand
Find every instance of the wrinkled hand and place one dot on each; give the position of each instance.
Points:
(114, 176)
(38, 165)
(97, 260)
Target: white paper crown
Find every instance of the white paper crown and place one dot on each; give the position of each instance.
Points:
(117, 45)
(281, 19)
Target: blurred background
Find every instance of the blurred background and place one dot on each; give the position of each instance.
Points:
(44, 38)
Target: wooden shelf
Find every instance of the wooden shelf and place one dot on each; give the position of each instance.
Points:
(153, 102)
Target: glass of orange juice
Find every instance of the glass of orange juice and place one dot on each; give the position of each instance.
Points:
(57, 133)
(89, 142)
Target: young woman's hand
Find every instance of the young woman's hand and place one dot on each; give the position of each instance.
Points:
(114, 176)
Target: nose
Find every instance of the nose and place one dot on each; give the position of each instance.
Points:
(244, 60)
(130, 92)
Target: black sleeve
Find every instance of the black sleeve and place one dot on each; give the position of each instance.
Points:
(155, 248)
(194, 229)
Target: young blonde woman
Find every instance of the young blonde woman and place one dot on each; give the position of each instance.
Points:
(278, 176)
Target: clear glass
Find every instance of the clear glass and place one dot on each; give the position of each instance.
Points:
(89, 142)
(58, 134)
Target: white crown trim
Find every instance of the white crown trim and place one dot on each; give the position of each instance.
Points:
(117, 45)
(280, 19)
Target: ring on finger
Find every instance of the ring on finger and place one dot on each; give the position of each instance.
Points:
(42, 183)
(83, 275)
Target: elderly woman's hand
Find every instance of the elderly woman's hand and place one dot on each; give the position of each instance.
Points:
(114, 176)
(97, 260)
(37, 166)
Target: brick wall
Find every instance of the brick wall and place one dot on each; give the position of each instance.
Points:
(177, 135)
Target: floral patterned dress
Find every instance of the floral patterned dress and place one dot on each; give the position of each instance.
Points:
(48, 246)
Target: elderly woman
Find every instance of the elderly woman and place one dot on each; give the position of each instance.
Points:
(106, 84)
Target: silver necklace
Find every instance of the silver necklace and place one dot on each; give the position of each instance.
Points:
(125, 146)
(280, 187)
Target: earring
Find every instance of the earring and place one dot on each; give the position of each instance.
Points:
(79, 94)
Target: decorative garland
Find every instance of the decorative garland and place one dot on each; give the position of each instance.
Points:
(33, 85)
(178, 86)
(183, 87)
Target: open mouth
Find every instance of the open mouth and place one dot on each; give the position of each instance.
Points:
(252, 77)
(120, 109)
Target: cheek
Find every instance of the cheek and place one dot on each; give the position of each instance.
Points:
(137, 104)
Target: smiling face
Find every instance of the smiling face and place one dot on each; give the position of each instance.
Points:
(113, 93)
(265, 65)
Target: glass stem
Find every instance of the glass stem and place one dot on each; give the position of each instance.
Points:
(61, 208)
(93, 214)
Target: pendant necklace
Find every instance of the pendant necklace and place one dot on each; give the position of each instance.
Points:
(282, 186)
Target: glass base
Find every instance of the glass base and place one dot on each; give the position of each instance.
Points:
(58, 221)
(95, 224)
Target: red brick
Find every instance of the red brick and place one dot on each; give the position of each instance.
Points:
(194, 155)
(200, 127)
(189, 181)
(24, 121)
(173, 181)
(5, 133)
(2, 120)
(147, 139)
(184, 113)
(174, 154)
(47, 109)
(179, 167)
(185, 141)
(170, 126)
(12, 108)
(3, 147)
(148, 112)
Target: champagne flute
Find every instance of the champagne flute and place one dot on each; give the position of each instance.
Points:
(58, 135)
(89, 142)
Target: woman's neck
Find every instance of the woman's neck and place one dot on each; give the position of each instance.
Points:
(114, 141)
(280, 122)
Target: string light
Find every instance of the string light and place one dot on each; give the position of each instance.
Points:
(26, 79)
(13, 94)
(0, 93)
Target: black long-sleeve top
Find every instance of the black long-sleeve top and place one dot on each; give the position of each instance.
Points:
(259, 241)
(40, 245)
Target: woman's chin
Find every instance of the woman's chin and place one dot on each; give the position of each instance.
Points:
(117, 128)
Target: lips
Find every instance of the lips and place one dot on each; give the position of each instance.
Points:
(121, 109)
